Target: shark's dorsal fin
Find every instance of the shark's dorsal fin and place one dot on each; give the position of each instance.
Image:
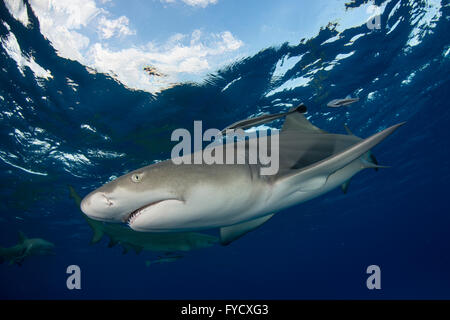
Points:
(22, 237)
(231, 233)
(297, 121)
(344, 186)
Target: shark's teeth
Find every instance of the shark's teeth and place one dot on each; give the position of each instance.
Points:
(129, 219)
(133, 216)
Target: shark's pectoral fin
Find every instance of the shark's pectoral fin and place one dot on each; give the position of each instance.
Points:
(344, 186)
(313, 184)
(234, 232)
(97, 236)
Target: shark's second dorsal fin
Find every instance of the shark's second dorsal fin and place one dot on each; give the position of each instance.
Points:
(297, 121)
(22, 237)
(234, 232)
(347, 129)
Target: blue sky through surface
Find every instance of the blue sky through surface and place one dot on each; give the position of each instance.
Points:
(183, 39)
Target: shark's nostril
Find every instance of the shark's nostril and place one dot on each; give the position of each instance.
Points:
(108, 202)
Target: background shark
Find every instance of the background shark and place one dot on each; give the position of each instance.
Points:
(26, 248)
(163, 259)
(138, 241)
(165, 197)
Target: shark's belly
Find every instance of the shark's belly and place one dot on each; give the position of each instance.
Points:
(283, 198)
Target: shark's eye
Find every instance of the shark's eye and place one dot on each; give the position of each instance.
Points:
(136, 177)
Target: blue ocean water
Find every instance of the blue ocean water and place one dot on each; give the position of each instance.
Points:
(82, 129)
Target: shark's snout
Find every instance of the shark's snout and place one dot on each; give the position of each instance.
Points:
(100, 206)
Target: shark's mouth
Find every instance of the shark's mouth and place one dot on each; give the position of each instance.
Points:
(131, 217)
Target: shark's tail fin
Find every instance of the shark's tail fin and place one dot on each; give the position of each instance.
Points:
(371, 162)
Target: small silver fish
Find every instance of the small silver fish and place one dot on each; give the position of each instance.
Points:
(336, 103)
(164, 259)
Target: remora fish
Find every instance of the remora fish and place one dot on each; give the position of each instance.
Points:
(164, 260)
(165, 197)
(341, 102)
(138, 241)
(25, 248)
(248, 123)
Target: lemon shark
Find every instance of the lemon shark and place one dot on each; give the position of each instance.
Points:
(139, 241)
(236, 198)
(25, 248)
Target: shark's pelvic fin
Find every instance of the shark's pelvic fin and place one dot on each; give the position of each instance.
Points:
(112, 242)
(19, 261)
(316, 175)
(369, 165)
(137, 249)
(344, 186)
(374, 160)
(234, 232)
